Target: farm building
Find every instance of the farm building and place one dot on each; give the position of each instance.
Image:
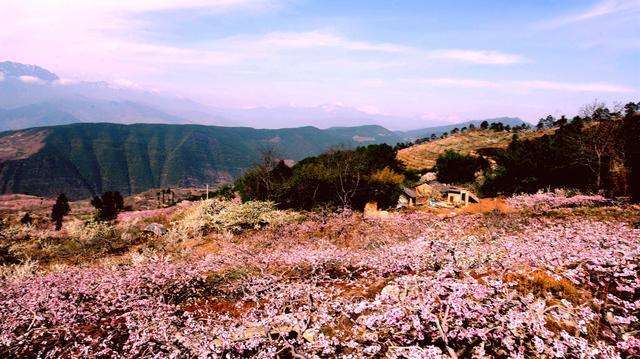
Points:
(457, 195)
(435, 194)
(407, 198)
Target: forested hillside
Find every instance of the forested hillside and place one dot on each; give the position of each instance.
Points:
(86, 159)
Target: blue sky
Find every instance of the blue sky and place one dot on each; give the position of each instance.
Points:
(435, 61)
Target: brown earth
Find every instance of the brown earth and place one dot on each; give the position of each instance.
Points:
(424, 155)
(21, 145)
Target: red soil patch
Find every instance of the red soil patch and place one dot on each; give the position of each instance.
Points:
(21, 145)
(488, 205)
(205, 307)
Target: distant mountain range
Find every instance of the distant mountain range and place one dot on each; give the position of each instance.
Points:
(78, 142)
(31, 96)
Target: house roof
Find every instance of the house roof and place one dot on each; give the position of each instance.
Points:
(409, 192)
(452, 189)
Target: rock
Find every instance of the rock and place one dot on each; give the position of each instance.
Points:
(128, 237)
(393, 292)
(156, 228)
(371, 209)
(251, 332)
(428, 177)
(284, 324)
(610, 318)
(310, 335)
(406, 287)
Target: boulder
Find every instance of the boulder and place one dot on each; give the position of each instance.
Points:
(156, 228)
(310, 335)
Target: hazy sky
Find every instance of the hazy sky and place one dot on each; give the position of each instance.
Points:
(445, 60)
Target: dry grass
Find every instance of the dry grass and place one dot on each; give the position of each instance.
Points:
(543, 285)
(424, 156)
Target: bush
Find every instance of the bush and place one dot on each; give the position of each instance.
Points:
(386, 187)
(454, 167)
(338, 178)
(60, 209)
(222, 216)
(96, 237)
(108, 205)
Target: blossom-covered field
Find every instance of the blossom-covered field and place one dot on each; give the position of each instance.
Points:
(407, 285)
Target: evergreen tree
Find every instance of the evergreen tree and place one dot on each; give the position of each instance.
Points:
(108, 205)
(60, 209)
(26, 219)
(631, 134)
(454, 167)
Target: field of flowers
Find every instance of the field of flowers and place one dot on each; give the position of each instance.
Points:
(408, 285)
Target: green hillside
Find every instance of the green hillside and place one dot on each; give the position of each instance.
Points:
(84, 159)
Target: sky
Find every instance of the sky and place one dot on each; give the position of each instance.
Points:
(438, 61)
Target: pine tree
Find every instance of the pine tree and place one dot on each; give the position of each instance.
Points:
(60, 209)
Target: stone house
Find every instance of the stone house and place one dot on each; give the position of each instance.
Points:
(457, 195)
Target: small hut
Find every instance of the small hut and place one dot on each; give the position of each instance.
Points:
(457, 195)
(407, 198)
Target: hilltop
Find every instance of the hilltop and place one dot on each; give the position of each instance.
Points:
(412, 135)
(424, 155)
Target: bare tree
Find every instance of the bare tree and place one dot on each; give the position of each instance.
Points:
(596, 147)
(590, 109)
(344, 165)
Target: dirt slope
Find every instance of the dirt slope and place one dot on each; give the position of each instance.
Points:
(424, 155)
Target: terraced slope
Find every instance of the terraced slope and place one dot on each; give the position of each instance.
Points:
(424, 156)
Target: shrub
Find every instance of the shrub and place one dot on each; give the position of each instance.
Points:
(108, 205)
(337, 178)
(385, 185)
(222, 216)
(95, 237)
(60, 209)
(15, 272)
(454, 167)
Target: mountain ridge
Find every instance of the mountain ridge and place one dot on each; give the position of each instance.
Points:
(25, 99)
(85, 159)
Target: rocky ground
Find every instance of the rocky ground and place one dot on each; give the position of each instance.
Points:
(550, 277)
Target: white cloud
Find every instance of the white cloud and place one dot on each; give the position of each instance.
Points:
(101, 34)
(99, 40)
(369, 109)
(373, 83)
(602, 8)
(457, 83)
(1, 76)
(30, 79)
(573, 87)
(125, 84)
(319, 39)
(478, 57)
(282, 41)
(526, 85)
(65, 82)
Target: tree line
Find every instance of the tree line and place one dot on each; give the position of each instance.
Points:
(597, 152)
(484, 125)
(337, 178)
